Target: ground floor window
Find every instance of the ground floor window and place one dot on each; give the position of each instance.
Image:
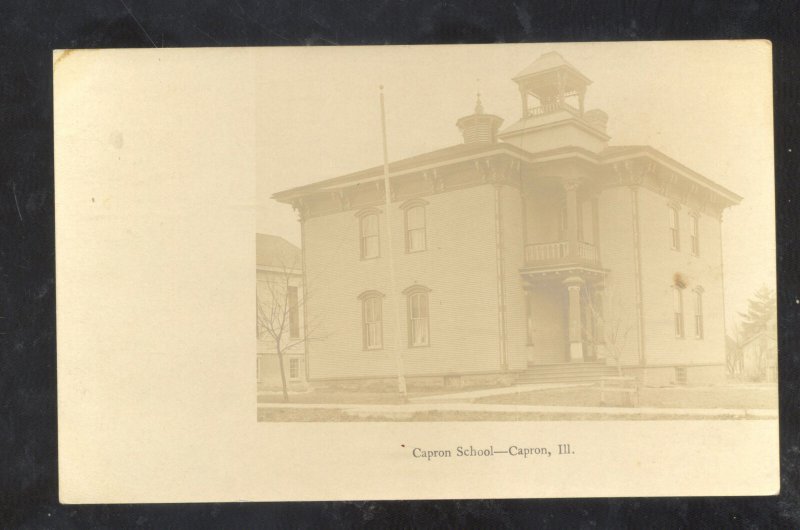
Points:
(698, 314)
(372, 320)
(418, 316)
(294, 368)
(677, 310)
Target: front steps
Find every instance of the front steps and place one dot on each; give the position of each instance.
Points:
(575, 372)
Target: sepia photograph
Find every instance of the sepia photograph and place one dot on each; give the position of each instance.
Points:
(538, 232)
(467, 266)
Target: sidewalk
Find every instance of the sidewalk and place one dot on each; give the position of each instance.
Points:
(411, 408)
(476, 394)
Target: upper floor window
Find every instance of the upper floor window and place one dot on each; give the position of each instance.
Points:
(677, 310)
(293, 309)
(370, 235)
(698, 313)
(415, 225)
(418, 316)
(695, 234)
(674, 228)
(372, 320)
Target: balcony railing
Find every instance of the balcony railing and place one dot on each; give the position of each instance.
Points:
(587, 252)
(546, 251)
(560, 252)
(554, 106)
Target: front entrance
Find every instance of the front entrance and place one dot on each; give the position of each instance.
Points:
(562, 322)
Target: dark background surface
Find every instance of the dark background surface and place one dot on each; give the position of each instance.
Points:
(30, 30)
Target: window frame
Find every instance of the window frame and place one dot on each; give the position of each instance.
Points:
(674, 226)
(411, 294)
(678, 321)
(563, 220)
(694, 231)
(374, 297)
(293, 303)
(294, 363)
(699, 322)
(363, 217)
(407, 207)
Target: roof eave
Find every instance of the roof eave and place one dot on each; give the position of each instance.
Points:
(731, 197)
(373, 173)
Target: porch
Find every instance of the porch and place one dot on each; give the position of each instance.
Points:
(564, 316)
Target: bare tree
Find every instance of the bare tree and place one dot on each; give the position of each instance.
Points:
(278, 316)
(734, 359)
(612, 323)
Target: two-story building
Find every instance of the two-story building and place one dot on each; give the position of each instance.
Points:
(279, 314)
(531, 252)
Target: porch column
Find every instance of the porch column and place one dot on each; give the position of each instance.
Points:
(574, 284)
(571, 191)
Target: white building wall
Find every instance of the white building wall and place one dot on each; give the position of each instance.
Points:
(555, 130)
(659, 265)
(513, 260)
(616, 247)
(459, 266)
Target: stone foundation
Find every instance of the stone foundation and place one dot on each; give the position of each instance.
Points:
(660, 376)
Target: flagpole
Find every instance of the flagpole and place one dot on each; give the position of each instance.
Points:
(401, 378)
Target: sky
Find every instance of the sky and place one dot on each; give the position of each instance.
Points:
(706, 104)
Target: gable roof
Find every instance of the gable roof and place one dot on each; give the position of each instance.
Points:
(274, 251)
(549, 61)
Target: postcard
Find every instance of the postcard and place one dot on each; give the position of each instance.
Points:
(416, 272)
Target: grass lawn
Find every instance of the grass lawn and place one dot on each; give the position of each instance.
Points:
(706, 397)
(345, 397)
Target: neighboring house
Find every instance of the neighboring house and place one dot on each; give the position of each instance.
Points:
(760, 355)
(279, 291)
(508, 247)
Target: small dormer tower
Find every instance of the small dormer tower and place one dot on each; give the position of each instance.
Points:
(479, 127)
(552, 93)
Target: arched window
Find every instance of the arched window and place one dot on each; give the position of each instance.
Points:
(415, 225)
(674, 228)
(698, 313)
(677, 310)
(695, 225)
(418, 316)
(369, 233)
(372, 319)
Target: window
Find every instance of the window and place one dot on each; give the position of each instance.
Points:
(294, 368)
(563, 220)
(372, 320)
(294, 312)
(415, 229)
(698, 314)
(259, 371)
(674, 228)
(370, 236)
(695, 235)
(677, 310)
(418, 316)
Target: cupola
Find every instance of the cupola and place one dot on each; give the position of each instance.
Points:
(552, 93)
(479, 127)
